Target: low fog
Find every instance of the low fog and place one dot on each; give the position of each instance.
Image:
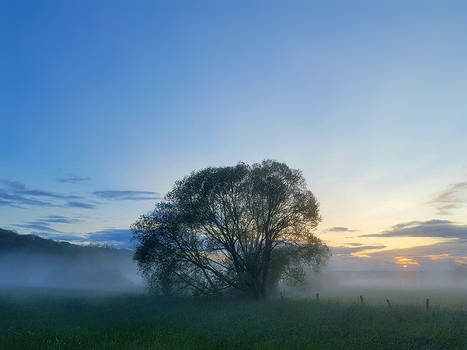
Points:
(401, 287)
(330, 280)
(112, 269)
(31, 261)
(115, 270)
(94, 270)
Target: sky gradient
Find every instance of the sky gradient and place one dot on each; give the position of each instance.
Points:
(103, 105)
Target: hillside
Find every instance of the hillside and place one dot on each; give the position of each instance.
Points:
(28, 260)
(12, 241)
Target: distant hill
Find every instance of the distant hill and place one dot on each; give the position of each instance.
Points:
(11, 241)
(29, 260)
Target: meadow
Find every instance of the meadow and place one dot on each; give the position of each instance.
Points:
(61, 319)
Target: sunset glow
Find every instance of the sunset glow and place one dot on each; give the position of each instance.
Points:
(405, 262)
(436, 257)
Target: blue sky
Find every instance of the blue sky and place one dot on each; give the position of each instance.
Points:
(367, 98)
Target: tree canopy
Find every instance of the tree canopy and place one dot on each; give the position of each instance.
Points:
(239, 228)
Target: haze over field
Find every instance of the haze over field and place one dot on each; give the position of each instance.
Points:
(104, 107)
(31, 261)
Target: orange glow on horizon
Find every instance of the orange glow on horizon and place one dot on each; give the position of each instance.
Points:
(436, 257)
(405, 262)
(360, 255)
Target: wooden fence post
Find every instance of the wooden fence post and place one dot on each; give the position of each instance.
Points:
(389, 303)
(317, 296)
(427, 304)
(361, 299)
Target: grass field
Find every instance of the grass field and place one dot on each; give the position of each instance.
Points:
(50, 319)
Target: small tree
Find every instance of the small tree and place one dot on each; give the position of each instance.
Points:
(238, 228)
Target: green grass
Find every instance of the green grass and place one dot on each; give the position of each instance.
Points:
(47, 319)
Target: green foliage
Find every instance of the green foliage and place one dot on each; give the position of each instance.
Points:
(53, 320)
(231, 229)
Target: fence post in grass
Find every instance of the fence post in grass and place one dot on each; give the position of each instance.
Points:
(389, 303)
(427, 304)
(317, 296)
(361, 299)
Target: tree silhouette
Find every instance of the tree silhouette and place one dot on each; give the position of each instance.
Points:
(239, 228)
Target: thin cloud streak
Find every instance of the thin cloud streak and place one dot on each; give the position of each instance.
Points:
(16, 201)
(14, 185)
(39, 193)
(75, 204)
(73, 179)
(17, 195)
(351, 250)
(37, 226)
(340, 229)
(59, 219)
(454, 197)
(127, 195)
(445, 255)
(430, 228)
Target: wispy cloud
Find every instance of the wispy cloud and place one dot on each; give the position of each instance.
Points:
(73, 179)
(39, 226)
(5, 203)
(14, 185)
(429, 256)
(340, 229)
(438, 256)
(127, 195)
(75, 204)
(351, 250)
(59, 219)
(17, 195)
(355, 244)
(43, 225)
(454, 197)
(16, 200)
(39, 193)
(430, 228)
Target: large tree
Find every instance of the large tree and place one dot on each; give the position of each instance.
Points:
(238, 228)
